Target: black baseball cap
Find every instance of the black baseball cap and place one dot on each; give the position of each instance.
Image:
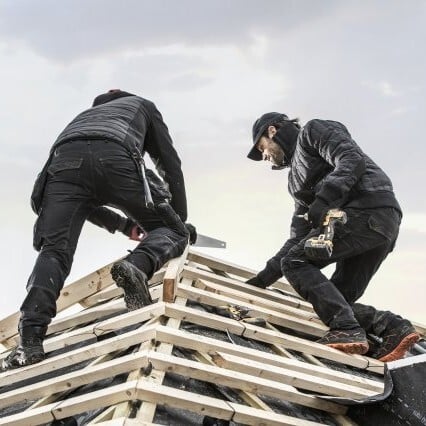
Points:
(110, 96)
(259, 128)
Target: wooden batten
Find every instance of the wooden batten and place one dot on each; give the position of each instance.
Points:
(172, 276)
(279, 365)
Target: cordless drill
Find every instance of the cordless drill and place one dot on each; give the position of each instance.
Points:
(321, 247)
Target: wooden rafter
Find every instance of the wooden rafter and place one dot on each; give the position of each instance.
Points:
(251, 373)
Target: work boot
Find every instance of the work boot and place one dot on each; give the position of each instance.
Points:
(396, 341)
(134, 283)
(352, 341)
(29, 351)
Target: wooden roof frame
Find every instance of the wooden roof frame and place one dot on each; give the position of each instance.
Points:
(250, 372)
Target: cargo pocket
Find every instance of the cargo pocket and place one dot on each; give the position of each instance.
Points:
(381, 228)
(38, 189)
(65, 164)
(37, 238)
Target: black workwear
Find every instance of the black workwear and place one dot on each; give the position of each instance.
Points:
(317, 212)
(286, 137)
(329, 170)
(359, 248)
(82, 176)
(136, 124)
(327, 163)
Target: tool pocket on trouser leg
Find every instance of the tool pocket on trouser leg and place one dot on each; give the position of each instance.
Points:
(158, 188)
(37, 238)
(385, 222)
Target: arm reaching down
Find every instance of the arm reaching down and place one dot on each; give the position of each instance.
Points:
(112, 221)
(159, 145)
(272, 271)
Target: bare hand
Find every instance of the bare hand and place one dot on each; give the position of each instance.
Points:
(137, 234)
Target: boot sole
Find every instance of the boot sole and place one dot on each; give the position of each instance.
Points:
(360, 348)
(135, 296)
(14, 364)
(404, 345)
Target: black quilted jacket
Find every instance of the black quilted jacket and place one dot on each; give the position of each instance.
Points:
(133, 122)
(327, 163)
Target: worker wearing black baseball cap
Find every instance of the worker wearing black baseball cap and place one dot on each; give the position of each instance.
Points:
(328, 170)
(274, 139)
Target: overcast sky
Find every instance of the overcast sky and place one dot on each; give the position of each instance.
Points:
(212, 67)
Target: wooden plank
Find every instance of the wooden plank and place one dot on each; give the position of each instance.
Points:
(296, 302)
(248, 397)
(9, 326)
(256, 300)
(102, 296)
(86, 316)
(38, 416)
(291, 377)
(103, 327)
(217, 322)
(196, 403)
(204, 319)
(252, 416)
(344, 421)
(108, 396)
(61, 395)
(76, 405)
(206, 297)
(147, 409)
(124, 408)
(221, 265)
(75, 379)
(213, 346)
(237, 380)
(280, 349)
(172, 275)
(70, 294)
(301, 345)
(230, 268)
(79, 355)
(114, 291)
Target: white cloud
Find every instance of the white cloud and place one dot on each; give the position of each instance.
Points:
(211, 73)
(386, 89)
(382, 87)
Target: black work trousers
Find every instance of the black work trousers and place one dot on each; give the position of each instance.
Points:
(84, 175)
(360, 246)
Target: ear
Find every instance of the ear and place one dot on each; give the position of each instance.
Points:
(271, 131)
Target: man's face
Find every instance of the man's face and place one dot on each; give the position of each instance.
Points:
(271, 151)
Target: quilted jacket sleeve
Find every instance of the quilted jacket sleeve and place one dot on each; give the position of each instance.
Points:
(332, 141)
(298, 230)
(159, 146)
